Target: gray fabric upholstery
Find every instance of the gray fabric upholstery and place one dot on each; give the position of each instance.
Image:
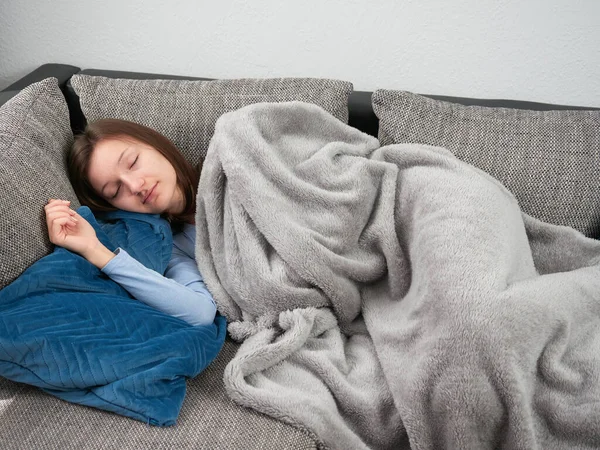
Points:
(32, 419)
(550, 160)
(34, 137)
(186, 111)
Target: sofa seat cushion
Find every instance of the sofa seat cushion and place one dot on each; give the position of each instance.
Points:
(186, 111)
(550, 160)
(34, 137)
(30, 418)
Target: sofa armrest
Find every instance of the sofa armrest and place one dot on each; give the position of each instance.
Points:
(6, 96)
(62, 72)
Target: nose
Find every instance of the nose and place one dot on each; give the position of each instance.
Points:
(133, 183)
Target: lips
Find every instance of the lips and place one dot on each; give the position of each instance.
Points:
(149, 195)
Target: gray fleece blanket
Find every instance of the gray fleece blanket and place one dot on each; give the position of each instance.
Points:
(394, 297)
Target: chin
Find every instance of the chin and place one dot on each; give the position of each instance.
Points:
(162, 209)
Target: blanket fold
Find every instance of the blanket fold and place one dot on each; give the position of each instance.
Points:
(394, 296)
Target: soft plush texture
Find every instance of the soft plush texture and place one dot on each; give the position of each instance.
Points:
(186, 111)
(550, 160)
(34, 137)
(68, 329)
(394, 295)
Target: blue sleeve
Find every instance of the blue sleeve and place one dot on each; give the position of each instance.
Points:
(180, 293)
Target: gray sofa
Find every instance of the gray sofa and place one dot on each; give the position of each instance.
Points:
(30, 418)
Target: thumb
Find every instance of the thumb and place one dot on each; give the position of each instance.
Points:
(58, 228)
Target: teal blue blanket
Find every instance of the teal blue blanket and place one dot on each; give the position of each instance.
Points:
(68, 329)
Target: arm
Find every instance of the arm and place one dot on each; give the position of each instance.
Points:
(180, 293)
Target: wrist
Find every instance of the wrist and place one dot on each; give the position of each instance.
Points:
(98, 255)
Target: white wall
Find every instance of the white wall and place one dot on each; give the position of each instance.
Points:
(539, 50)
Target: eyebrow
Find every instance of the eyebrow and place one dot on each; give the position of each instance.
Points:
(118, 162)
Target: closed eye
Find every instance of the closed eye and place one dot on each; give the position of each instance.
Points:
(119, 188)
(116, 193)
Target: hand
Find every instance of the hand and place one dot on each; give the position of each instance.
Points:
(68, 229)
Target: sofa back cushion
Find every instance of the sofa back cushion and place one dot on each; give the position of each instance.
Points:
(34, 137)
(550, 160)
(186, 111)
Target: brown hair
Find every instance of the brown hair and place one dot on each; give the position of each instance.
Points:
(78, 161)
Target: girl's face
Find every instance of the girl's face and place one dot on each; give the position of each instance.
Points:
(134, 177)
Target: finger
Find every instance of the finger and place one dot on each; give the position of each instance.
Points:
(60, 215)
(59, 207)
(80, 217)
(62, 222)
(56, 231)
(55, 201)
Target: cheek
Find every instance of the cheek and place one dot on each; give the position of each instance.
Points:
(121, 203)
(116, 204)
